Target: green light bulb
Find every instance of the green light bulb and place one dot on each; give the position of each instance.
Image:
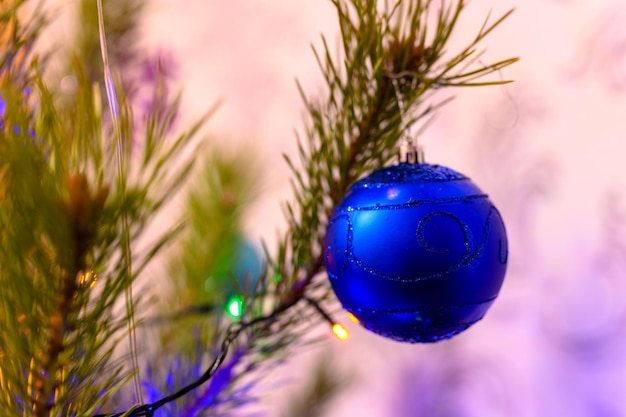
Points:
(234, 306)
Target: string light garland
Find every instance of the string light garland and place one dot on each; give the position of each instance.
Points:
(351, 163)
(337, 328)
(233, 331)
(340, 331)
(235, 306)
(148, 410)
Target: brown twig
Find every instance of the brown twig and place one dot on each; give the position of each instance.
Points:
(82, 211)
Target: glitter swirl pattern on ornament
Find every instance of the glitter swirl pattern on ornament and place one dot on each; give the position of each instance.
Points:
(416, 252)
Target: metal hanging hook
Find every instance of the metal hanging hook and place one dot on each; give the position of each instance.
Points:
(410, 152)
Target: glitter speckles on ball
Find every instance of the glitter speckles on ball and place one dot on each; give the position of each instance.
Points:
(416, 252)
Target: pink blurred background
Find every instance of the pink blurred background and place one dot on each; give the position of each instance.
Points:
(549, 149)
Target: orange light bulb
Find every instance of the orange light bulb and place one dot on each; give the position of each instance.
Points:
(340, 331)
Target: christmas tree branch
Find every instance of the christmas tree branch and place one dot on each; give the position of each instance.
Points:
(353, 132)
(62, 205)
(122, 23)
(357, 129)
(390, 56)
(83, 211)
(21, 23)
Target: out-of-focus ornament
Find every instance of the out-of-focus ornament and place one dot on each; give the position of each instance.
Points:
(245, 267)
(416, 252)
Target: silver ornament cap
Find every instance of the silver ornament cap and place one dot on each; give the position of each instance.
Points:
(410, 153)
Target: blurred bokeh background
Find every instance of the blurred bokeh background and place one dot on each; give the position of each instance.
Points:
(549, 150)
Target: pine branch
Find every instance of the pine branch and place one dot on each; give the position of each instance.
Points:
(21, 23)
(61, 208)
(356, 130)
(352, 132)
(122, 20)
(83, 213)
(389, 55)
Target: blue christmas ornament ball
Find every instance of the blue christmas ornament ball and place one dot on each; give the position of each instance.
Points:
(416, 252)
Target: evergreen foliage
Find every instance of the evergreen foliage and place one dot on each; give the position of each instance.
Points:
(76, 195)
